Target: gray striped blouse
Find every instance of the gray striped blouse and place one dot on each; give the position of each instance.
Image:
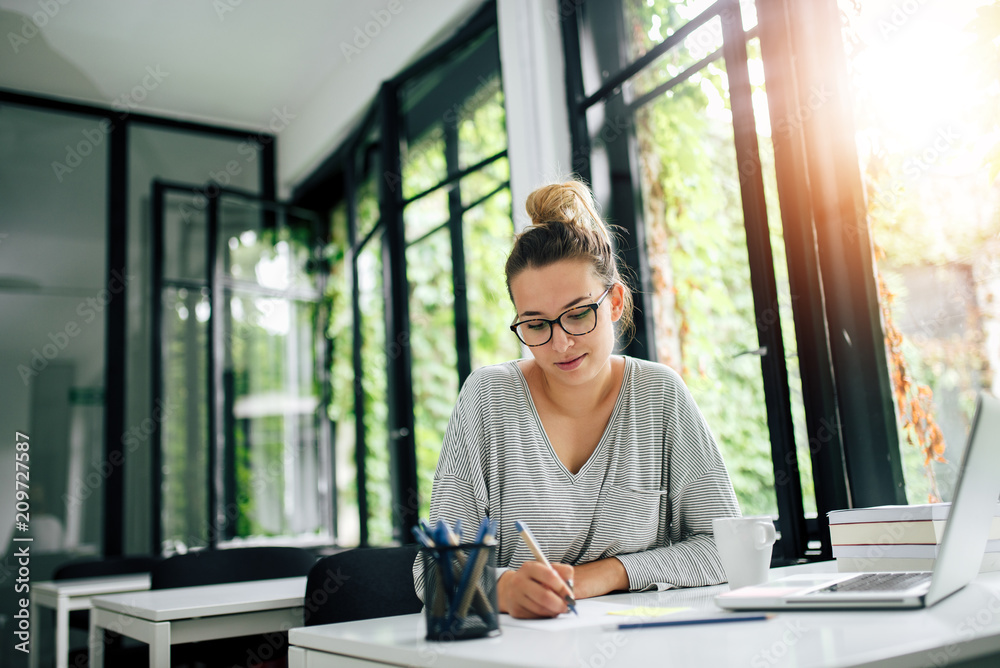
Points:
(647, 495)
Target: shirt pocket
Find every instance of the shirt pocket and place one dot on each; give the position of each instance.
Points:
(628, 521)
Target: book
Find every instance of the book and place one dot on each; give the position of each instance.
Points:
(883, 533)
(923, 511)
(898, 551)
(991, 562)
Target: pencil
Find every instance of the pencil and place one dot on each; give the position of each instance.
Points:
(529, 540)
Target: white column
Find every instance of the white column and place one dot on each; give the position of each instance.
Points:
(534, 85)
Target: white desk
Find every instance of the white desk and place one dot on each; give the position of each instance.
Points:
(64, 596)
(962, 627)
(165, 617)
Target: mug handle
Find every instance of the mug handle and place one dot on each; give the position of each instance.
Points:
(765, 535)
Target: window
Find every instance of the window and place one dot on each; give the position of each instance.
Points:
(736, 200)
(925, 126)
(421, 218)
(245, 441)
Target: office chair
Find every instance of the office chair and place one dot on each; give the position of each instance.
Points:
(208, 567)
(245, 564)
(362, 583)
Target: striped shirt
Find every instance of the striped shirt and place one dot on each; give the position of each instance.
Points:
(647, 495)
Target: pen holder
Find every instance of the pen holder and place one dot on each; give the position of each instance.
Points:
(460, 591)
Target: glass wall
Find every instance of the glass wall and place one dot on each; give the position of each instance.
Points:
(54, 295)
(54, 290)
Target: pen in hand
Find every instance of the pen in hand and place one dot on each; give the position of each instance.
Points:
(529, 540)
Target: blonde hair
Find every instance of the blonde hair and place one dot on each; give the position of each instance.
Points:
(565, 225)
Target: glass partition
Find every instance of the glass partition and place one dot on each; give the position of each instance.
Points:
(54, 292)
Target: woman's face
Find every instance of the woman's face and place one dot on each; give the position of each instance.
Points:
(549, 291)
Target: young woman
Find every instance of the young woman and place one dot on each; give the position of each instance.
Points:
(606, 458)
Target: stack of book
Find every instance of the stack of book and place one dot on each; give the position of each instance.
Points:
(898, 538)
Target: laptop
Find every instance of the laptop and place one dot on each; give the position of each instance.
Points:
(961, 552)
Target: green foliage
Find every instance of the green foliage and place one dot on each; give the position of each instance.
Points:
(183, 430)
(697, 248)
(694, 218)
(487, 230)
(340, 332)
(374, 383)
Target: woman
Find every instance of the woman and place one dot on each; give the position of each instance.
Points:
(607, 458)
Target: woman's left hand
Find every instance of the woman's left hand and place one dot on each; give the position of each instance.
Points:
(599, 577)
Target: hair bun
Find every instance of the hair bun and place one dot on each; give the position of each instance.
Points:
(568, 203)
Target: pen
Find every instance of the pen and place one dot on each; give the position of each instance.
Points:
(689, 622)
(529, 540)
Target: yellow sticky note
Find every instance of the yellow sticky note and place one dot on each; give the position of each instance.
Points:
(647, 611)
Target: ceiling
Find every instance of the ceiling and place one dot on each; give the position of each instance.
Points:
(226, 62)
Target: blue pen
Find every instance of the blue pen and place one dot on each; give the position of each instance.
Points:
(722, 619)
(441, 538)
(470, 565)
(422, 537)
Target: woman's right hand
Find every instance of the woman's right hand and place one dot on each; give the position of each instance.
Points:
(534, 590)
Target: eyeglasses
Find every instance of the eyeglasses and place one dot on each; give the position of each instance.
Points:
(577, 321)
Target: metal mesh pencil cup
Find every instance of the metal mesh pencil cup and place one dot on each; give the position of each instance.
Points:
(460, 591)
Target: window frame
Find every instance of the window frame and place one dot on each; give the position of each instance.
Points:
(381, 131)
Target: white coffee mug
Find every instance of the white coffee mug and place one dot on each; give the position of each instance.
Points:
(744, 545)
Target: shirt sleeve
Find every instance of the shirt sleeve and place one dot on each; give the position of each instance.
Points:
(459, 491)
(699, 490)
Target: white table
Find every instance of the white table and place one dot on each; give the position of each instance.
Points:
(960, 628)
(64, 596)
(165, 617)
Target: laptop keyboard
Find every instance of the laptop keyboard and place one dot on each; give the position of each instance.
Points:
(876, 582)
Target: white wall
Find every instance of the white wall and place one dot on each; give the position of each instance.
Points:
(534, 83)
(374, 54)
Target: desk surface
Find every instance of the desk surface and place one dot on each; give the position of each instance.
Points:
(109, 584)
(162, 605)
(963, 626)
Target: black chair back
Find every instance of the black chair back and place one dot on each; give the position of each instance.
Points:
(363, 583)
(208, 567)
(92, 568)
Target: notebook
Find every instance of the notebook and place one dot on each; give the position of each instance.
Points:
(958, 561)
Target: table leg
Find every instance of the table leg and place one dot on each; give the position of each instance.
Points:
(62, 632)
(159, 648)
(96, 643)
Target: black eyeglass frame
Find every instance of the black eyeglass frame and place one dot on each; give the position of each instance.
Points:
(558, 321)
